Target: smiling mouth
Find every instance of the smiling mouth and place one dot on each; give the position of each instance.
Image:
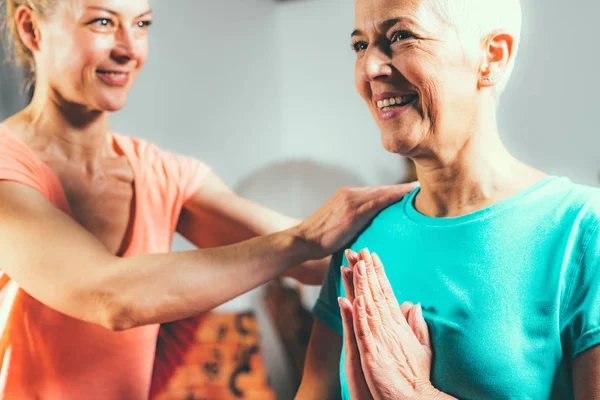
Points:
(114, 74)
(398, 101)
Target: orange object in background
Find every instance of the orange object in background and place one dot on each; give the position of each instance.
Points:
(212, 357)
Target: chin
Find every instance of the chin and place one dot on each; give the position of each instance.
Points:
(112, 104)
(401, 143)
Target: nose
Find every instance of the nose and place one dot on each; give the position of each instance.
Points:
(377, 63)
(126, 46)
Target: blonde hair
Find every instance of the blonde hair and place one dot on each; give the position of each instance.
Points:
(16, 50)
(482, 17)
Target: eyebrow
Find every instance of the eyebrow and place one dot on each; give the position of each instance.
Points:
(387, 24)
(116, 13)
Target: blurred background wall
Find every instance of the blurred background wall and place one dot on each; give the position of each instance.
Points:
(263, 91)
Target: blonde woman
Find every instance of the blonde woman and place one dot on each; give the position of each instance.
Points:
(87, 216)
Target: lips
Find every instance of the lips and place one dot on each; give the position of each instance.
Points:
(396, 101)
(391, 106)
(113, 78)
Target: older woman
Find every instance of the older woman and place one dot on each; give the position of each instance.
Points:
(83, 210)
(503, 259)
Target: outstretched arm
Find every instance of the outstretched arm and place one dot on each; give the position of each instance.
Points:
(217, 216)
(63, 266)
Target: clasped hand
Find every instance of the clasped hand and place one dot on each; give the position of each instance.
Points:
(387, 346)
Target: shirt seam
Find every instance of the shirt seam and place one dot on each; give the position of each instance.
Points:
(571, 277)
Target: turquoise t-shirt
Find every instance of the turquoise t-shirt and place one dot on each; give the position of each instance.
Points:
(511, 293)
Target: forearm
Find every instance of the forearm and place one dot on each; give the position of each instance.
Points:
(152, 289)
(311, 272)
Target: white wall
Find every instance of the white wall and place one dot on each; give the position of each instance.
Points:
(12, 98)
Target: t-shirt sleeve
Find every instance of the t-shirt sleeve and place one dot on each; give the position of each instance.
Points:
(18, 166)
(582, 316)
(327, 308)
(177, 173)
(190, 175)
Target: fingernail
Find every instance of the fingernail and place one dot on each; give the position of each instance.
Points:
(419, 311)
(376, 259)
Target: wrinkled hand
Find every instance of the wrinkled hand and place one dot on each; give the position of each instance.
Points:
(392, 341)
(357, 385)
(345, 214)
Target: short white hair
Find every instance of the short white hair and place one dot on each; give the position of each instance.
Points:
(480, 18)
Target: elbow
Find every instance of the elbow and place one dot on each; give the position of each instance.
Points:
(115, 313)
(118, 319)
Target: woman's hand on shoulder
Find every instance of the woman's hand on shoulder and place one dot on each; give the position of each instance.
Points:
(345, 214)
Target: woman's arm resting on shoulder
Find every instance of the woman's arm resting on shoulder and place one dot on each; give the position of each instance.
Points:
(217, 216)
(63, 266)
(321, 379)
(586, 375)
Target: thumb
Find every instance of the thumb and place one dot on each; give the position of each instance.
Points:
(419, 326)
(394, 193)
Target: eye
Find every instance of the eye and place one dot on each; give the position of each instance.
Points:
(359, 46)
(400, 35)
(144, 24)
(103, 22)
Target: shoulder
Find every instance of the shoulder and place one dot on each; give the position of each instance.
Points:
(391, 219)
(579, 204)
(150, 155)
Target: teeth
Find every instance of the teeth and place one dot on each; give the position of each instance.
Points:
(114, 73)
(385, 104)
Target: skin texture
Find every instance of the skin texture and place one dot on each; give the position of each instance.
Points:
(450, 131)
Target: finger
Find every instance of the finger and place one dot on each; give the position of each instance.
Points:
(351, 257)
(361, 288)
(348, 326)
(373, 200)
(352, 364)
(348, 280)
(362, 330)
(412, 321)
(347, 274)
(405, 308)
(387, 195)
(350, 345)
(422, 328)
(389, 297)
(377, 294)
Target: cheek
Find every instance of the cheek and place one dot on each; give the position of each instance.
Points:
(92, 49)
(142, 54)
(362, 86)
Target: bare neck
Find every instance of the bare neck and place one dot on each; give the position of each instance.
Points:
(65, 129)
(471, 174)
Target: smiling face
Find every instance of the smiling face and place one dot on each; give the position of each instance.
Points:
(91, 51)
(416, 74)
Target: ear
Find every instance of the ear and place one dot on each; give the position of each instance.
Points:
(499, 48)
(28, 27)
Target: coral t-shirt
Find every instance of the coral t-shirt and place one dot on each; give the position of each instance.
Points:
(45, 354)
